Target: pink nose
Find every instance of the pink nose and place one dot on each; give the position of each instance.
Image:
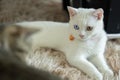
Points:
(82, 36)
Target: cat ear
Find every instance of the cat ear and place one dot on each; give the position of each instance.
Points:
(72, 11)
(98, 13)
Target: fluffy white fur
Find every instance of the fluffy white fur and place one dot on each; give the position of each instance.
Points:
(85, 53)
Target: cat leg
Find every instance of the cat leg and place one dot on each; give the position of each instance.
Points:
(87, 68)
(100, 62)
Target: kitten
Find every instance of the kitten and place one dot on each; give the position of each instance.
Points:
(82, 40)
(12, 66)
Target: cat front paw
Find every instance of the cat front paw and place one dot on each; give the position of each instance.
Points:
(109, 73)
(98, 76)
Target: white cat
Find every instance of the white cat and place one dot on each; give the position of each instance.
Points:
(82, 40)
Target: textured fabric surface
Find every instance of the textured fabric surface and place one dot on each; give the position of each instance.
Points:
(47, 59)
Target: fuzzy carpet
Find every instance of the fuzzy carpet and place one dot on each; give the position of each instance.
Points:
(47, 59)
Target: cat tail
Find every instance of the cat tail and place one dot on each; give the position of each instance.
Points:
(113, 36)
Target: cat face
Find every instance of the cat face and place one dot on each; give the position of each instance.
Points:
(85, 23)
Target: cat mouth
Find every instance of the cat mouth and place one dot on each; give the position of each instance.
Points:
(84, 39)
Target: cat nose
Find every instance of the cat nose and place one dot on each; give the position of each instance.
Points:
(81, 35)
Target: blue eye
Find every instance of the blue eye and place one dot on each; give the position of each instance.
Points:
(76, 27)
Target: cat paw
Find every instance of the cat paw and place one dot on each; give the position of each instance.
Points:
(98, 77)
(109, 73)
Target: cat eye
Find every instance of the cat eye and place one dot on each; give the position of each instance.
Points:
(76, 27)
(89, 28)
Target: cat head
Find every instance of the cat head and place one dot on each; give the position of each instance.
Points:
(85, 23)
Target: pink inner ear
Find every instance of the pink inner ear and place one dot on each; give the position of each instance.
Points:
(99, 16)
(98, 13)
(72, 11)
